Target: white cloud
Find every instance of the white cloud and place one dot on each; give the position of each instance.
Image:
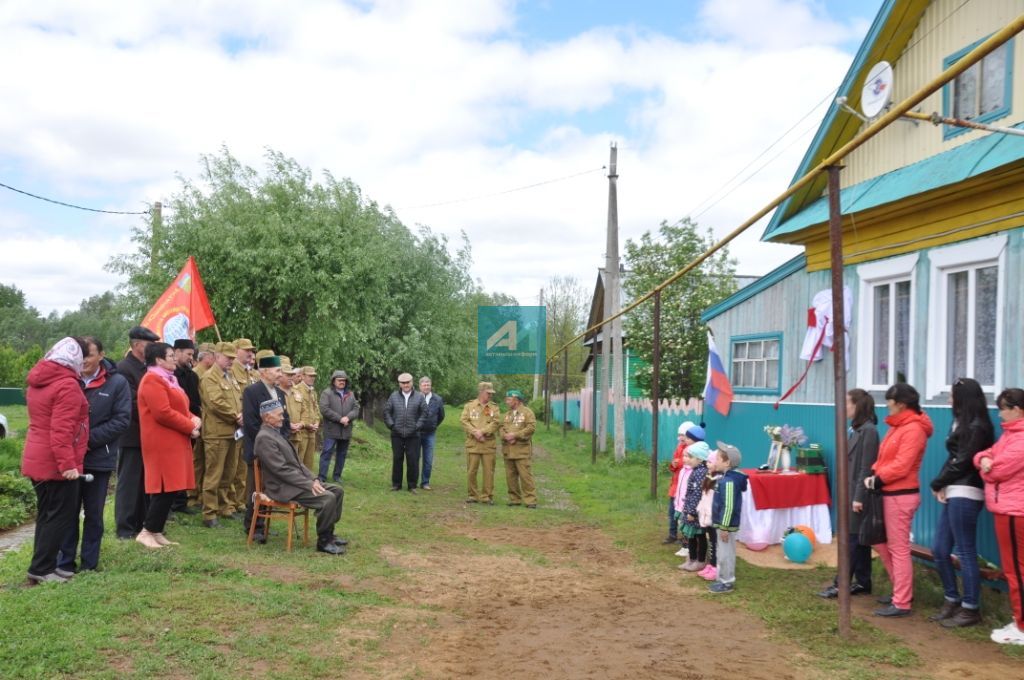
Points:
(418, 102)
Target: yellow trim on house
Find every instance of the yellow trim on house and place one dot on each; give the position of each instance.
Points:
(977, 207)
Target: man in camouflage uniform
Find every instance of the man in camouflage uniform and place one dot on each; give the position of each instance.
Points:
(516, 432)
(244, 374)
(221, 397)
(310, 418)
(480, 421)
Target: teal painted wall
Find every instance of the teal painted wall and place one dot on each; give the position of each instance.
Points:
(744, 428)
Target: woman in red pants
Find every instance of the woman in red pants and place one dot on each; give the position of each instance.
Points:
(1002, 469)
(896, 474)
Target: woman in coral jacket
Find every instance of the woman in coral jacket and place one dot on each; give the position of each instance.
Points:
(58, 434)
(896, 474)
(1002, 469)
(167, 428)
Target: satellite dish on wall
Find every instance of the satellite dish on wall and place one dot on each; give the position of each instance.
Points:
(877, 91)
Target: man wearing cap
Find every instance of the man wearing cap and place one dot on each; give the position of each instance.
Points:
(517, 448)
(243, 366)
(292, 399)
(188, 380)
(405, 413)
(130, 503)
(252, 396)
(310, 416)
(340, 408)
(221, 398)
(480, 421)
(286, 479)
(244, 373)
(204, 358)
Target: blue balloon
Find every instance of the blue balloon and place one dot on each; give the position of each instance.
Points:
(797, 547)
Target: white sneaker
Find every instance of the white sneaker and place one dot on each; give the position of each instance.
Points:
(1009, 635)
(685, 565)
(683, 552)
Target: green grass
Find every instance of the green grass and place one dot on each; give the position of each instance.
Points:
(17, 499)
(212, 608)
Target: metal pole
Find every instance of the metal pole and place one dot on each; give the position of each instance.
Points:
(835, 228)
(593, 420)
(655, 393)
(547, 394)
(565, 391)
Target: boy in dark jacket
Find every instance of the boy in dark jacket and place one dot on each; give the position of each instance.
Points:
(725, 514)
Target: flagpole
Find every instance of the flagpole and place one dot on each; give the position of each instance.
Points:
(218, 332)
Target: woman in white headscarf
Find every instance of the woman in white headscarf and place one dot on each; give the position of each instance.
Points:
(58, 434)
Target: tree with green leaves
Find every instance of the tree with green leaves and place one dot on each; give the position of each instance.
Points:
(684, 346)
(313, 269)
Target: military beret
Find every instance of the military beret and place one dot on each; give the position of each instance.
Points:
(515, 393)
(184, 343)
(142, 333)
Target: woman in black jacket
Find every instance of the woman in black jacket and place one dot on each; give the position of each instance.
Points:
(959, 488)
(862, 452)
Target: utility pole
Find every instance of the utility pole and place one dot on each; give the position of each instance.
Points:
(536, 374)
(613, 302)
(155, 236)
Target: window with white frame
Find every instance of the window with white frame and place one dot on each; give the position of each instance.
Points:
(885, 339)
(755, 363)
(982, 92)
(968, 288)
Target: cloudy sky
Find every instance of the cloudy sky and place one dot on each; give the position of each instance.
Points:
(431, 106)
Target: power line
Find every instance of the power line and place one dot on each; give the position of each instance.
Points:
(804, 117)
(502, 193)
(76, 207)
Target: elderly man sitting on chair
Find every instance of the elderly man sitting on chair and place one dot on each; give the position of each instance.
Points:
(286, 479)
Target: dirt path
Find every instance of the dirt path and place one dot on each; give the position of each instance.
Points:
(569, 606)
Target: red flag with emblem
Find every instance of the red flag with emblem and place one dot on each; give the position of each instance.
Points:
(183, 309)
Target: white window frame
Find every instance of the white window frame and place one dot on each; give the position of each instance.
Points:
(888, 271)
(980, 252)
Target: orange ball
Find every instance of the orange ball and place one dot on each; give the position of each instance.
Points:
(806, 531)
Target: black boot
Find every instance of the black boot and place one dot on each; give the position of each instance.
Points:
(947, 611)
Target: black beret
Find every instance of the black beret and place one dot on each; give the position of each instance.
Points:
(184, 343)
(142, 333)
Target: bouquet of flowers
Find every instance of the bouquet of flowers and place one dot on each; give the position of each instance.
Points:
(784, 437)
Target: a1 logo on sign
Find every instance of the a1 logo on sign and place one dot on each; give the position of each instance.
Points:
(504, 337)
(511, 340)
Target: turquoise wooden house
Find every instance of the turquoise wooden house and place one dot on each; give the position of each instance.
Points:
(933, 229)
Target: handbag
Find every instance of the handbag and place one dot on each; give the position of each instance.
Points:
(872, 525)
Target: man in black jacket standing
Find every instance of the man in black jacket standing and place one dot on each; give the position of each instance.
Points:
(435, 416)
(110, 414)
(130, 496)
(405, 414)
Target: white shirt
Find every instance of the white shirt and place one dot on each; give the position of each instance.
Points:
(407, 395)
(427, 396)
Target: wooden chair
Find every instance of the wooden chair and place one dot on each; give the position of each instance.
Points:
(263, 506)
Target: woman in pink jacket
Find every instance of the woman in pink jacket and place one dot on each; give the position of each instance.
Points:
(1002, 469)
(58, 433)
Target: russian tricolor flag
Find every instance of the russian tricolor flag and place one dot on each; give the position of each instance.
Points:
(717, 390)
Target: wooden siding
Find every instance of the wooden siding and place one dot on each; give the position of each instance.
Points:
(981, 206)
(903, 143)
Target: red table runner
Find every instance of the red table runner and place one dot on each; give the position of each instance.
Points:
(772, 490)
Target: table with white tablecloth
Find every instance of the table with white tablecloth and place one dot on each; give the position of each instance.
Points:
(774, 502)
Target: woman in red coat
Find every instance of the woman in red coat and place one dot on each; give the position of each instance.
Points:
(167, 429)
(58, 433)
